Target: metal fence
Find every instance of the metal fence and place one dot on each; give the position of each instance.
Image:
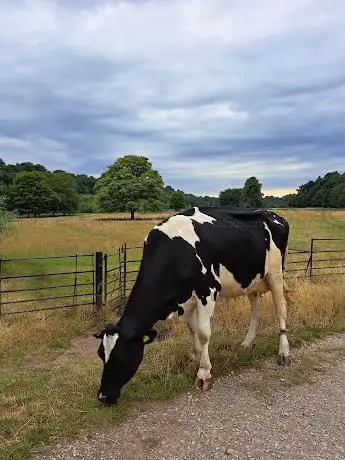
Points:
(324, 257)
(46, 283)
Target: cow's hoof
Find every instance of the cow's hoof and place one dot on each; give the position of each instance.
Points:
(284, 360)
(203, 384)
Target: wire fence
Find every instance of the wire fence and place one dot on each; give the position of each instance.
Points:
(46, 283)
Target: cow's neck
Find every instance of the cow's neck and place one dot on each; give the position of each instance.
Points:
(139, 317)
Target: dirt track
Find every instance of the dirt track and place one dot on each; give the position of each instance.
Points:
(294, 413)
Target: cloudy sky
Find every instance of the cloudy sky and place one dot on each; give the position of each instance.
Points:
(211, 91)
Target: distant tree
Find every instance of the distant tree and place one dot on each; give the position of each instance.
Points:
(288, 201)
(337, 196)
(252, 195)
(88, 204)
(191, 200)
(129, 184)
(177, 200)
(3, 190)
(85, 184)
(231, 197)
(319, 193)
(271, 201)
(30, 194)
(169, 189)
(65, 198)
(6, 217)
(208, 201)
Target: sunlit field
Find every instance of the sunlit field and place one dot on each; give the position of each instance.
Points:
(49, 368)
(99, 232)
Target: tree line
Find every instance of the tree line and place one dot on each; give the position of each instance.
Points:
(131, 185)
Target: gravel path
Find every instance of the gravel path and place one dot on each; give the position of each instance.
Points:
(295, 413)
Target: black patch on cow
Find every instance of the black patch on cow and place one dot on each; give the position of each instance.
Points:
(215, 295)
(188, 212)
(267, 240)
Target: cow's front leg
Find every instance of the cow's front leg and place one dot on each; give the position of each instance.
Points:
(191, 317)
(205, 312)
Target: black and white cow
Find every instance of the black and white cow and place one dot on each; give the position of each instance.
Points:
(189, 261)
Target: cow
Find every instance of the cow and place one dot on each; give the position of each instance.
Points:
(189, 261)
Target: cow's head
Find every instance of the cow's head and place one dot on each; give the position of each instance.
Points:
(121, 358)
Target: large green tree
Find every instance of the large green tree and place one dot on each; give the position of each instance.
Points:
(65, 198)
(252, 195)
(177, 200)
(231, 197)
(130, 184)
(31, 194)
(322, 192)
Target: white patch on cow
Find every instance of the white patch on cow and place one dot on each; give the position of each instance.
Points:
(216, 277)
(273, 255)
(109, 342)
(277, 222)
(231, 288)
(202, 218)
(203, 268)
(172, 315)
(284, 345)
(182, 226)
(179, 226)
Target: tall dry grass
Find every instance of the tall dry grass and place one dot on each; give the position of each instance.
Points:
(49, 378)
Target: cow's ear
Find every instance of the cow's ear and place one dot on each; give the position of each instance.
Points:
(109, 329)
(149, 336)
(99, 335)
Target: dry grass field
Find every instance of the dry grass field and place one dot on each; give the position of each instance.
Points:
(49, 368)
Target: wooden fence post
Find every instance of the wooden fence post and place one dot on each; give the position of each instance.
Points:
(105, 278)
(99, 279)
(125, 272)
(0, 287)
(311, 257)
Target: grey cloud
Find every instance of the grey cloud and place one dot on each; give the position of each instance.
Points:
(88, 89)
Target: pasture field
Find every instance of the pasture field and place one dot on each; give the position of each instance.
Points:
(49, 368)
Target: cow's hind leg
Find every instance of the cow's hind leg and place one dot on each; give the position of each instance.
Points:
(254, 319)
(205, 312)
(276, 284)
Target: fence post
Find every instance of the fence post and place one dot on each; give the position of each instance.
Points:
(105, 278)
(120, 273)
(0, 287)
(125, 272)
(99, 278)
(311, 257)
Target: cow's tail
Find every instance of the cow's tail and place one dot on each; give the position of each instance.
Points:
(287, 290)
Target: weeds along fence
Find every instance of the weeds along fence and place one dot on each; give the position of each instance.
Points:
(81, 280)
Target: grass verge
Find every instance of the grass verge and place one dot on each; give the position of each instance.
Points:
(50, 372)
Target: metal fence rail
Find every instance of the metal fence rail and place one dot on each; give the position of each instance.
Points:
(33, 284)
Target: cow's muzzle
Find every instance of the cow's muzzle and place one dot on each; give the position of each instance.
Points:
(106, 399)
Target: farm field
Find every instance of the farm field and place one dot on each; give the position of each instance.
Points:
(102, 232)
(49, 368)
